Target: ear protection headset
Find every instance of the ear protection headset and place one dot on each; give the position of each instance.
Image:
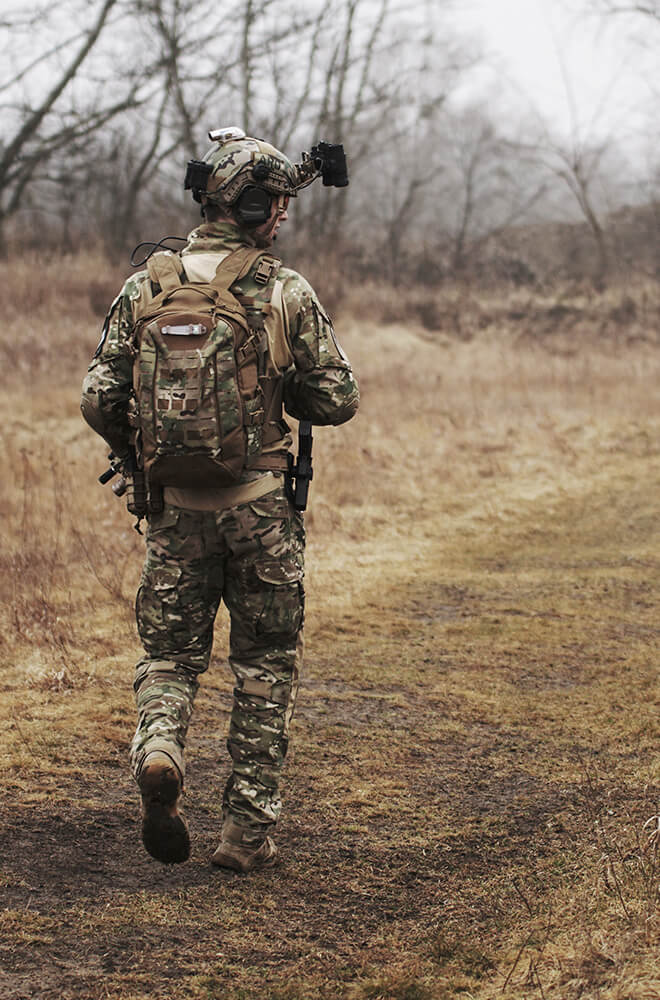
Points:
(253, 205)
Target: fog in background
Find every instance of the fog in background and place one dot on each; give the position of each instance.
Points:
(460, 152)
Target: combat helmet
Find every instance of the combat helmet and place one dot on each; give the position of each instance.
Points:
(236, 168)
(242, 174)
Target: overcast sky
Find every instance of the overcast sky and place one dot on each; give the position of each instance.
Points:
(608, 72)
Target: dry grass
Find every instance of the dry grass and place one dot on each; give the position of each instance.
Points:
(474, 773)
(558, 317)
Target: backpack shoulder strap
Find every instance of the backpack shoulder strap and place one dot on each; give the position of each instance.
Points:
(238, 263)
(234, 264)
(166, 270)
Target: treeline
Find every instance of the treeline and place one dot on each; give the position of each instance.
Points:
(106, 100)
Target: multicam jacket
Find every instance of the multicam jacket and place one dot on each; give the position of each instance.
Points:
(318, 383)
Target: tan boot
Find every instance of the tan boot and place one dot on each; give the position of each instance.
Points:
(244, 850)
(164, 830)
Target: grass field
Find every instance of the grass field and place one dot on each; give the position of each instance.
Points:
(473, 784)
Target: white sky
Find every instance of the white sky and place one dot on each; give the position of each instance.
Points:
(609, 73)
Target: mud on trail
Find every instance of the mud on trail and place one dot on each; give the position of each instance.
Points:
(474, 751)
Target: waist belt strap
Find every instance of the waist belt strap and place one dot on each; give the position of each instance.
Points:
(278, 462)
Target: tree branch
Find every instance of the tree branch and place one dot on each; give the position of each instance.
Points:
(34, 120)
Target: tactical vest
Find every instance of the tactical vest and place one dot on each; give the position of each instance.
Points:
(206, 402)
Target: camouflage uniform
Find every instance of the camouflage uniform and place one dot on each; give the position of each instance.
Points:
(243, 545)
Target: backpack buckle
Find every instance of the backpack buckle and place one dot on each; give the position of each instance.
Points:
(265, 269)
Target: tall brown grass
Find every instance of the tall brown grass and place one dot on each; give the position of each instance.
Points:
(497, 435)
(442, 413)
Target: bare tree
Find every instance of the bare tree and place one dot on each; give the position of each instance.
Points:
(385, 72)
(579, 167)
(580, 161)
(45, 126)
(372, 74)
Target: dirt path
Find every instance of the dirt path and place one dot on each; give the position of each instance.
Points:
(474, 753)
(473, 737)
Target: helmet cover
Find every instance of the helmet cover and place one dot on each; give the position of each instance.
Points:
(238, 161)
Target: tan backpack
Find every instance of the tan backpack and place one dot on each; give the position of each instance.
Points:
(204, 403)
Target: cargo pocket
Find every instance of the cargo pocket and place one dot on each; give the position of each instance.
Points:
(281, 608)
(158, 605)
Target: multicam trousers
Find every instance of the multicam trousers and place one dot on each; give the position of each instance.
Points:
(251, 557)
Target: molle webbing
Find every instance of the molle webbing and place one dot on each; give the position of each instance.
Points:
(175, 306)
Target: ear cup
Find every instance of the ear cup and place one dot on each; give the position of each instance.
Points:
(252, 207)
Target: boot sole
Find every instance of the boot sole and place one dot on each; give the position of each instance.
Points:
(164, 832)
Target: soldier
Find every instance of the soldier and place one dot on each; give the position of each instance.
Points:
(241, 543)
